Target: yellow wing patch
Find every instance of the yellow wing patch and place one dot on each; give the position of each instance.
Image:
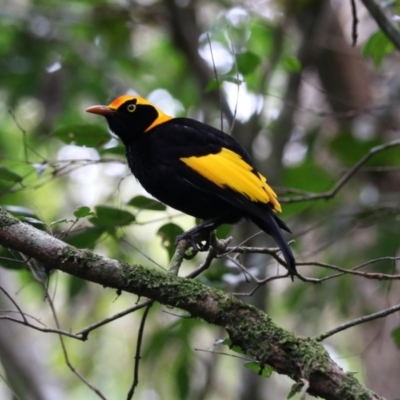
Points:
(228, 169)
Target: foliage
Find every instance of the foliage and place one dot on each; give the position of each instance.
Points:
(65, 175)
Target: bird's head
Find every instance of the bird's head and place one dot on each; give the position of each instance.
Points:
(130, 116)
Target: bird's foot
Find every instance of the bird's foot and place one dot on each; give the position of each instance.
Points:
(197, 241)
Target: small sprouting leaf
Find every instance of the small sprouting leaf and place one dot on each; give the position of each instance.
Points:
(168, 233)
(265, 371)
(112, 217)
(396, 336)
(377, 47)
(83, 135)
(247, 62)
(82, 212)
(146, 203)
(291, 64)
(6, 174)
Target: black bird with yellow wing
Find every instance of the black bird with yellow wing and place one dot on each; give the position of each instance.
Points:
(196, 169)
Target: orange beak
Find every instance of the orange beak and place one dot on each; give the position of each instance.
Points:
(100, 110)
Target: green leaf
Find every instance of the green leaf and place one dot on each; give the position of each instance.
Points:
(377, 47)
(350, 149)
(247, 62)
(86, 239)
(211, 85)
(83, 135)
(8, 175)
(18, 211)
(396, 336)
(168, 233)
(291, 64)
(112, 217)
(146, 203)
(25, 215)
(261, 38)
(82, 212)
(33, 221)
(265, 371)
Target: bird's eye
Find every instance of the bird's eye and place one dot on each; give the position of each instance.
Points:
(131, 107)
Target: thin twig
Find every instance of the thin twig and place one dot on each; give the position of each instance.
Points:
(387, 26)
(242, 268)
(222, 353)
(173, 268)
(346, 177)
(64, 349)
(368, 275)
(216, 79)
(217, 246)
(15, 304)
(26, 315)
(355, 23)
(24, 142)
(83, 334)
(142, 252)
(266, 280)
(250, 249)
(38, 328)
(137, 354)
(206, 264)
(358, 321)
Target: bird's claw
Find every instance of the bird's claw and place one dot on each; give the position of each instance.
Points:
(197, 242)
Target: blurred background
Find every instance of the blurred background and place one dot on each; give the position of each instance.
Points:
(285, 80)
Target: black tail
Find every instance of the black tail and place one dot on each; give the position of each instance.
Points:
(272, 225)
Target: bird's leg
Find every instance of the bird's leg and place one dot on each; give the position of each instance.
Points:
(199, 234)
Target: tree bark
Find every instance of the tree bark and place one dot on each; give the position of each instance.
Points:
(302, 359)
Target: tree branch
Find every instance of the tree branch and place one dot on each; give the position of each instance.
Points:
(387, 26)
(248, 327)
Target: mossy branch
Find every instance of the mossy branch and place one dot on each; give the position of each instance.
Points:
(248, 327)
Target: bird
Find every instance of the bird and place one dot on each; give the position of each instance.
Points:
(197, 169)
